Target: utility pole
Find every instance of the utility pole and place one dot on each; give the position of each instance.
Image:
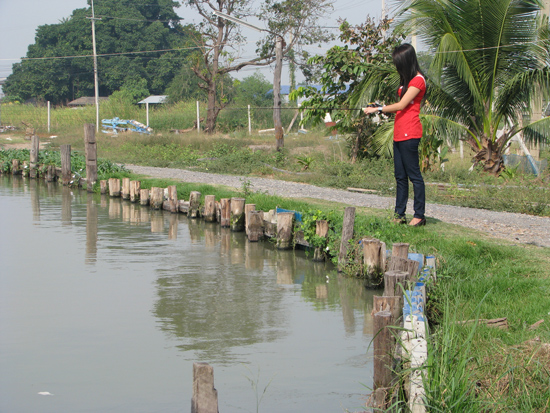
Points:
(279, 132)
(96, 82)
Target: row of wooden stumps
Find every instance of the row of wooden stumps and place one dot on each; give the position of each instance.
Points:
(233, 213)
(399, 339)
(50, 173)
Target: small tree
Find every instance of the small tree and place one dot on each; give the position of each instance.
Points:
(366, 48)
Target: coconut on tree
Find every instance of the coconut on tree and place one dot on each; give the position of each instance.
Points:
(491, 61)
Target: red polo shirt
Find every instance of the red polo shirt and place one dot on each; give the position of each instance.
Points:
(407, 123)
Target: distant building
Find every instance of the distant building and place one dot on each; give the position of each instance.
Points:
(85, 101)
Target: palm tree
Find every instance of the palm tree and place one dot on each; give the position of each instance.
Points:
(491, 60)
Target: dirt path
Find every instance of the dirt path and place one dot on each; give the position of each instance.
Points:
(517, 228)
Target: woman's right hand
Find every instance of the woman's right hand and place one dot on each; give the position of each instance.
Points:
(370, 110)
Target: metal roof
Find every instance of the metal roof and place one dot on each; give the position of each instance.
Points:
(154, 99)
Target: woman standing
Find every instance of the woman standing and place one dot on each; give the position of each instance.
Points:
(407, 133)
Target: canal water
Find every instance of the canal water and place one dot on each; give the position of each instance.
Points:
(105, 305)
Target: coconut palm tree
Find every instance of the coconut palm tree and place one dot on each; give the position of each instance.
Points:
(491, 60)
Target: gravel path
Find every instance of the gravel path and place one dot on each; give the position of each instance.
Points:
(519, 228)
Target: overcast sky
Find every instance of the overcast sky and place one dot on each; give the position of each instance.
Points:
(19, 20)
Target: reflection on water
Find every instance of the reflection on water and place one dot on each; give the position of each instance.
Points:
(158, 291)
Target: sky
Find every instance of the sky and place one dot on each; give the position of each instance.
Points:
(19, 20)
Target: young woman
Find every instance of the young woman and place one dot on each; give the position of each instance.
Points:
(407, 133)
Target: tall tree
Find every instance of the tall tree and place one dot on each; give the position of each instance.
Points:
(491, 58)
(59, 67)
(219, 39)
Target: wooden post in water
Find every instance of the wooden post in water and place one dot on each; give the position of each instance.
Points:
(114, 187)
(347, 234)
(383, 345)
(173, 199)
(65, 164)
(321, 230)
(50, 173)
(225, 207)
(371, 258)
(144, 197)
(157, 197)
(15, 169)
(103, 186)
(395, 283)
(392, 304)
(194, 205)
(205, 395)
(135, 187)
(210, 208)
(285, 224)
(255, 226)
(125, 188)
(91, 155)
(35, 149)
(237, 214)
(247, 209)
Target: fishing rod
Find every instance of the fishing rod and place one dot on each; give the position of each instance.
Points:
(373, 105)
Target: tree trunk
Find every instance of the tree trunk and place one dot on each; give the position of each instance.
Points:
(490, 155)
(212, 111)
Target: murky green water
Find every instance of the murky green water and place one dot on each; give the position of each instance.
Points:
(106, 305)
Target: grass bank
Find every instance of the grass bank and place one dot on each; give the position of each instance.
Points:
(315, 159)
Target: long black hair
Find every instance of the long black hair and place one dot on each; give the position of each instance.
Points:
(404, 59)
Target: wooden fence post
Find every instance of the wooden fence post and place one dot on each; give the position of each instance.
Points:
(135, 188)
(347, 234)
(247, 209)
(51, 173)
(194, 204)
(157, 198)
(91, 155)
(103, 186)
(205, 395)
(173, 198)
(321, 230)
(65, 164)
(237, 214)
(255, 225)
(392, 282)
(285, 227)
(15, 170)
(144, 197)
(225, 206)
(383, 346)
(35, 149)
(400, 250)
(125, 188)
(210, 208)
(114, 187)
(371, 257)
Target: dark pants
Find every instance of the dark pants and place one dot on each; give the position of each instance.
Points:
(405, 161)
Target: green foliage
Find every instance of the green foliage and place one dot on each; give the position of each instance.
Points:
(252, 90)
(491, 64)
(309, 226)
(124, 28)
(305, 161)
(431, 152)
(340, 71)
